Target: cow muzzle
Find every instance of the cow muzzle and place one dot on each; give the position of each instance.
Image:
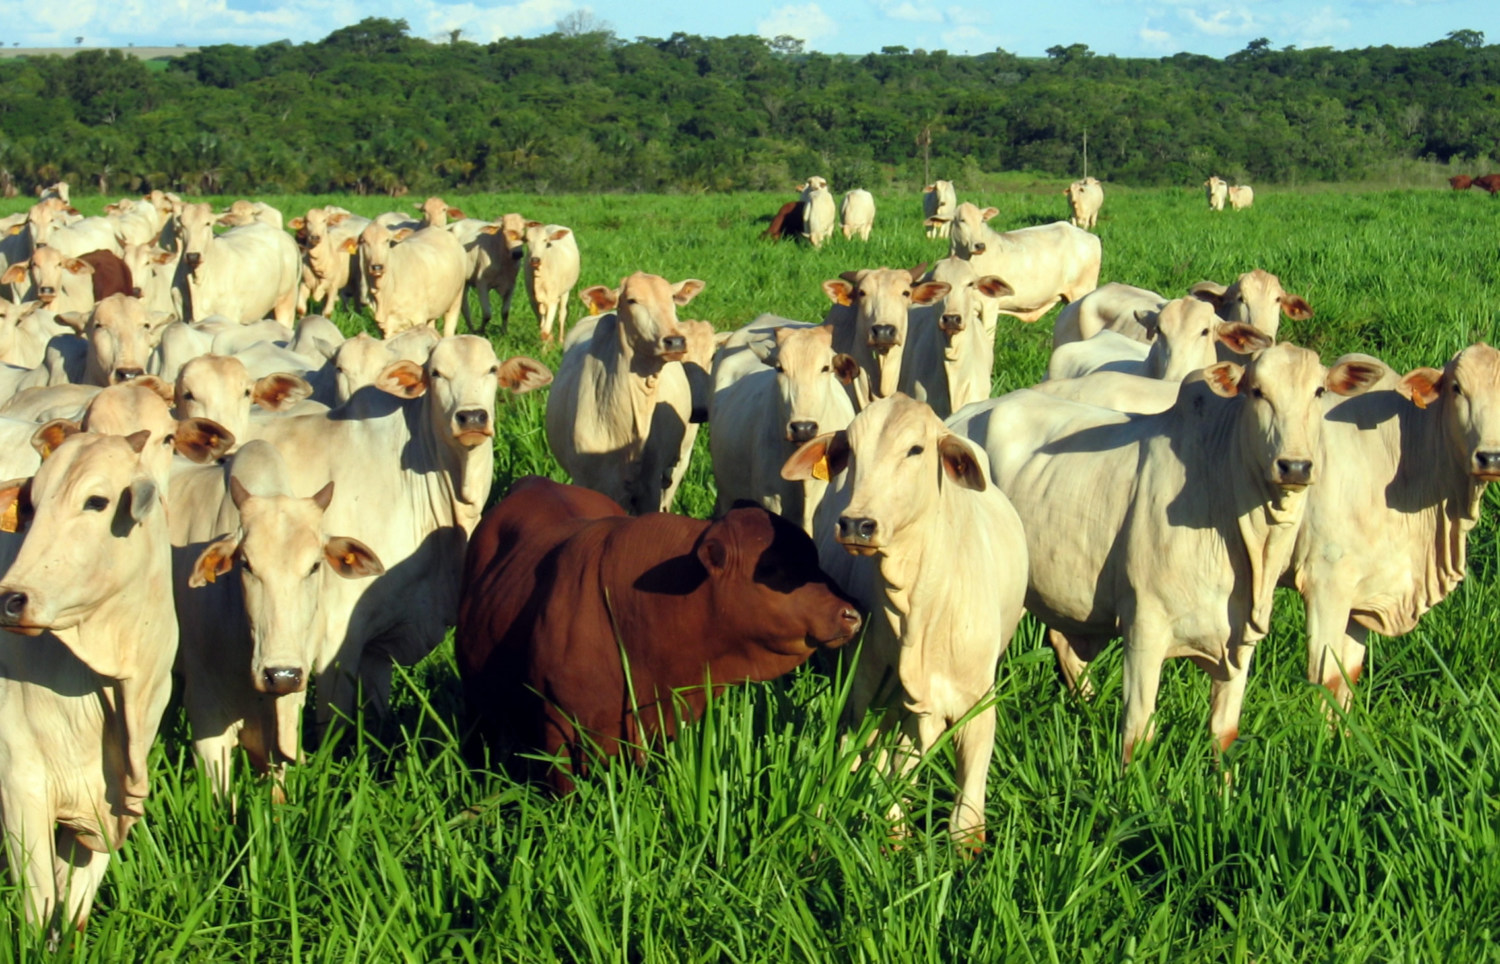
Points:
(281, 680)
(1293, 473)
(801, 431)
(46, 295)
(977, 248)
(471, 427)
(673, 348)
(951, 324)
(1486, 465)
(126, 374)
(882, 337)
(192, 259)
(534, 263)
(858, 535)
(13, 613)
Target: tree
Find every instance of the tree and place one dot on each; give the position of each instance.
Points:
(581, 23)
(785, 45)
(1070, 53)
(1469, 39)
(78, 41)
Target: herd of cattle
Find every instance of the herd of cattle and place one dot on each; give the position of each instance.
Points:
(168, 427)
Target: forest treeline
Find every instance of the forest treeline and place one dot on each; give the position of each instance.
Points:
(371, 109)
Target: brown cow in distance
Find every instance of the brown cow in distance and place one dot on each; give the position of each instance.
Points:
(562, 589)
(111, 274)
(787, 223)
(1460, 182)
(1490, 182)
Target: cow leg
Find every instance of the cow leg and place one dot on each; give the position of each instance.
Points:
(486, 310)
(29, 848)
(1333, 639)
(505, 299)
(285, 309)
(450, 316)
(1074, 653)
(78, 873)
(1144, 654)
(562, 316)
(973, 742)
(1227, 700)
(215, 756)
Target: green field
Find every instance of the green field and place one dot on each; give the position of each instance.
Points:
(750, 840)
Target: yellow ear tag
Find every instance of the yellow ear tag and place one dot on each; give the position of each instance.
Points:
(350, 559)
(211, 574)
(10, 521)
(820, 469)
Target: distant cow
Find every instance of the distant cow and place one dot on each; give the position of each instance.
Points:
(1241, 196)
(1460, 182)
(818, 215)
(939, 202)
(1490, 182)
(581, 626)
(1085, 198)
(787, 222)
(857, 215)
(1218, 192)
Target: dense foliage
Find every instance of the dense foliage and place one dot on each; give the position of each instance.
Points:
(370, 109)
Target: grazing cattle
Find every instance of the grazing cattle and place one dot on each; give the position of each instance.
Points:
(915, 530)
(1460, 182)
(244, 274)
(412, 459)
(787, 222)
(1043, 265)
(1387, 526)
(1490, 182)
(80, 704)
(48, 227)
(870, 316)
(950, 354)
(494, 250)
(939, 205)
(818, 215)
(121, 334)
(413, 277)
(1168, 530)
(153, 271)
(857, 214)
(142, 405)
(71, 284)
(583, 627)
(1122, 308)
(1218, 192)
(1085, 198)
(1256, 298)
(1188, 337)
(179, 342)
(760, 420)
(1241, 196)
(135, 222)
(330, 271)
(248, 643)
(619, 417)
(551, 272)
(221, 388)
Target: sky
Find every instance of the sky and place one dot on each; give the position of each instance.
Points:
(1127, 28)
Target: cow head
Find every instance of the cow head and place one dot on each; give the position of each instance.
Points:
(542, 238)
(1282, 419)
(970, 233)
(358, 361)
(1187, 331)
(436, 212)
(811, 383)
(219, 387)
(969, 298)
(96, 522)
(121, 334)
(45, 271)
(899, 455)
(881, 299)
(374, 247)
(765, 586)
(285, 557)
(196, 222)
(646, 308)
(1256, 298)
(144, 404)
(1466, 394)
(43, 217)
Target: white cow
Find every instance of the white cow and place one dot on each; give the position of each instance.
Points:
(819, 217)
(244, 274)
(870, 316)
(857, 214)
(330, 272)
(495, 250)
(950, 354)
(1256, 298)
(135, 222)
(413, 277)
(1169, 530)
(939, 203)
(80, 705)
(1085, 198)
(121, 334)
(1122, 308)
(619, 418)
(759, 421)
(914, 529)
(552, 268)
(1241, 196)
(1188, 337)
(1218, 190)
(243, 212)
(50, 226)
(221, 388)
(1043, 265)
(360, 360)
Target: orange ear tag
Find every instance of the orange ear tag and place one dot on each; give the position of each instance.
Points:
(10, 521)
(820, 469)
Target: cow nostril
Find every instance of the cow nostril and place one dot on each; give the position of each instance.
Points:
(882, 334)
(851, 617)
(1294, 470)
(1489, 461)
(802, 431)
(473, 418)
(674, 343)
(13, 604)
(282, 680)
(126, 374)
(856, 529)
(979, 249)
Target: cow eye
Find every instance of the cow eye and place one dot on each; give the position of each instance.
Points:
(438, 374)
(188, 397)
(915, 450)
(315, 567)
(1204, 332)
(1319, 392)
(1257, 393)
(494, 369)
(1456, 389)
(247, 393)
(827, 368)
(245, 561)
(780, 370)
(95, 503)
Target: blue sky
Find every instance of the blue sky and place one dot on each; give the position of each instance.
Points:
(1129, 28)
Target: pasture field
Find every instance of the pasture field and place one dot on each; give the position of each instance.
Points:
(750, 840)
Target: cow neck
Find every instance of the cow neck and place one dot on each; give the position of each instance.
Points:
(465, 474)
(1450, 498)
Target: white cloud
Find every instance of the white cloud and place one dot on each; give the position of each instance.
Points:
(966, 37)
(807, 23)
(1321, 27)
(911, 12)
(1155, 39)
(967, 15)
(1223, 22)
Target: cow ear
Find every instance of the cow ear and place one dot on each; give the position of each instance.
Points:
(959, 463)
(16, 273)
(993, 287)
(47, 438)
(1224, 378)
(334, 220)
(76, 320)
(351, 558)
(821, 459)
(215, 560)
(15, 504)
(402, 235)
(1422, 385)
(280, 390)
(154, 383)
(143, 497)
(713, 553)
(534, 224)
(846, 368)
(137, 440)
(1354, 377)
(491, 229)
(1209, 291)
(403, 379)
(599, 299)
(202, 440)
(917, 272)
(323, 496)
(456, 213)
(297, 224)
(839, 291)
(521, 374)
(350, 246)
(988, 213)
(76, 266)
(559, 234)
(685, 291)
(163, 256)
(1241, 338)
(1296, 307)
(930, 292)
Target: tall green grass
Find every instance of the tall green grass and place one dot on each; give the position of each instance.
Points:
(749, 839)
